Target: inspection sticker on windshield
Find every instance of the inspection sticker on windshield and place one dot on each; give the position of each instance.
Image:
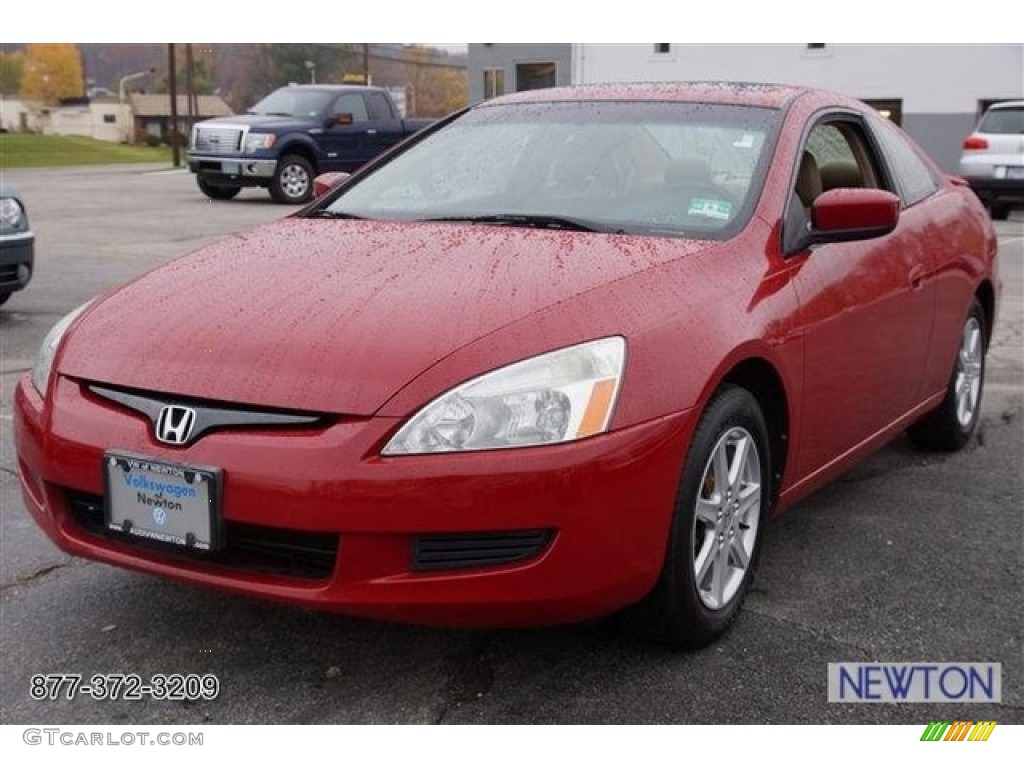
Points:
(711, 209)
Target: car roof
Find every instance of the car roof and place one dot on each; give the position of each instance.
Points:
(750, 94)
(331, 87)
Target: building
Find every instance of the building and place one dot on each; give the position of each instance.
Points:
(936, 92)
(152, 112)
(498, 68)
(100, 119)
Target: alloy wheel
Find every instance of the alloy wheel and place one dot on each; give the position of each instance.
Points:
(727, 516)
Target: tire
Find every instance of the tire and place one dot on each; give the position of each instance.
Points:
(293, 180)
(216, 193)
(4, 297)
(715, 538)
(950, 426)
(999, 211)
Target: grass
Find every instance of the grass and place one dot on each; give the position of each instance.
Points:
(33, 150)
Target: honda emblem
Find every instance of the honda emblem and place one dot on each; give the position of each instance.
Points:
(174, 424)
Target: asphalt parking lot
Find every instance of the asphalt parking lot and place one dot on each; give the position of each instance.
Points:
(909, 557)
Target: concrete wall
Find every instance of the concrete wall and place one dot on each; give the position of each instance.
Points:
(941, 136)
(930, 79)
(481, 56)
(17, 115)
(90, 120)
(940, 86)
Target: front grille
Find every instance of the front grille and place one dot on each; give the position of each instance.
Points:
(254, 548)
(435, 552)
(218, 139)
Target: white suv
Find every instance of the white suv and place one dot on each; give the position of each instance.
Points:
(993, 158)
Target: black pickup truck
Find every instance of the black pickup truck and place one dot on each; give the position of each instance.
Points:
(291, 136)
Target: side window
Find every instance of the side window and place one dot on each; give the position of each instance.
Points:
(835, 155)
(913, 176)
(353, 104)
(380, 107)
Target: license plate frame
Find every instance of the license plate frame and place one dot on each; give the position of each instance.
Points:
(163, 502)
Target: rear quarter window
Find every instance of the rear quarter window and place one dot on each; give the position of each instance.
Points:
(913, 177)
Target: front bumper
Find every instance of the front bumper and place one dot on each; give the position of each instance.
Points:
(17, 260)
(606, 504)
(239, 169)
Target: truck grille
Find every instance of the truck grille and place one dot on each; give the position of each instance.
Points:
(210, 139)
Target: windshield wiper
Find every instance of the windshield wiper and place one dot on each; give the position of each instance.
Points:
(327, 213)
(540, 221)
(268, 114)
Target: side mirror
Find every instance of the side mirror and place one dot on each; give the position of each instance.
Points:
(325, 182)
(342, 118)
(842, 215)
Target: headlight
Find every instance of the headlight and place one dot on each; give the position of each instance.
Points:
(11, 213)
(257, 141)
(557, 397)
(44, 360)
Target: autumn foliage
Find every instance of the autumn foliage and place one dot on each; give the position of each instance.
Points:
(53, 71)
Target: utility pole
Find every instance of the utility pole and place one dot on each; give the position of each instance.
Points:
(190, 88)
(172, 83)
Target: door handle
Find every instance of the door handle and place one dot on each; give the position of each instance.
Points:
(371, 131)
(917, 277)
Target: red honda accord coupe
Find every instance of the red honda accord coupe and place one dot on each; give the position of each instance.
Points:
(563, 353)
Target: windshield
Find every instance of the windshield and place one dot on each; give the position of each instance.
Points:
(293, 102)
(633, 167)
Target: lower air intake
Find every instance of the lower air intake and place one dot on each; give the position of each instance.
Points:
(437, 552)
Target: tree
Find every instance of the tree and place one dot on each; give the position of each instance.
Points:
(12, 69)
(437, 89)
(202, 79)
(53, 71)
(275, 64)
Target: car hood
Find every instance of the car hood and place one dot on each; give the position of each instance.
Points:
(275, 123)
(336, 316)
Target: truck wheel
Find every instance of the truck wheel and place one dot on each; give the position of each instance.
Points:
(1000, 211)
(293, 180)
(217, 193)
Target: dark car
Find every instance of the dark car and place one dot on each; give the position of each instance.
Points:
(17, 244)
(292, 135)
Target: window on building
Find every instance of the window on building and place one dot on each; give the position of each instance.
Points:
(538, 74)
(663, 47)
(110, 118)
(494, 83)
(890, 109)
(984, 104)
